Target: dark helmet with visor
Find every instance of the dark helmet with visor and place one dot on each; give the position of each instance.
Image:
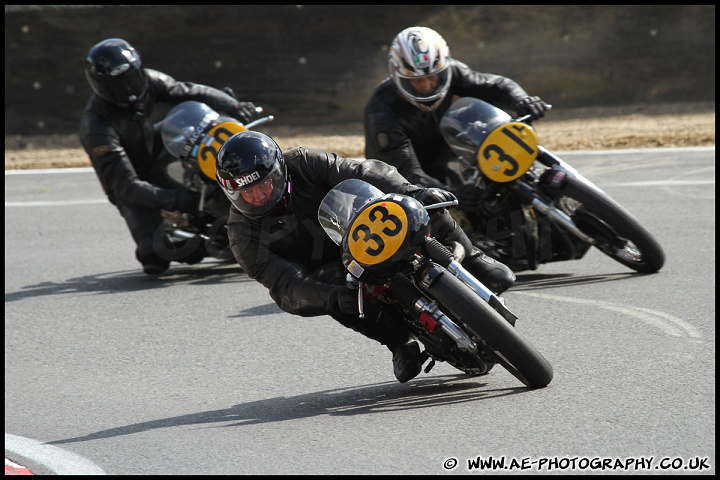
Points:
(115, 73)
(251, 171)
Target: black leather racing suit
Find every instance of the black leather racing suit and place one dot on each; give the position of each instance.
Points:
(401, 134)
(290, 254)
(126, 151)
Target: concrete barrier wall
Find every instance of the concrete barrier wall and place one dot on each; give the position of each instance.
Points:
(318, 64)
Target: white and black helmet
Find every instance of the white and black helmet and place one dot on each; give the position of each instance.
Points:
(415, 53)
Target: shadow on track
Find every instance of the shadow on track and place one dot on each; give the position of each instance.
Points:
(536, 281)
(362, 400)
(135, 280)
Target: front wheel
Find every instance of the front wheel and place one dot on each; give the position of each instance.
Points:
(617, 233)
(491, 331)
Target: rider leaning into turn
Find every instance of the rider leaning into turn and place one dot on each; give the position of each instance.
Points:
(277, 239)
(125, 148)
(402, 116)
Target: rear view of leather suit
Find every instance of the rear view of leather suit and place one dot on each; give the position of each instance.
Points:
(119, 134)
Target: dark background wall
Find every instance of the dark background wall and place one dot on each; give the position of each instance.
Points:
(318, 64)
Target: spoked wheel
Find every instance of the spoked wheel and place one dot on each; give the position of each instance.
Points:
(473, 364)
(467, 362)
(439, 347)
(617, 233)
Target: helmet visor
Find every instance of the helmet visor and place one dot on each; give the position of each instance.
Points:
(126, 88)
(252, 194)
(425, 88)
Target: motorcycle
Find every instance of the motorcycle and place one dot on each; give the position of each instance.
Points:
(193, 133)
(535, 207)
(388, 253)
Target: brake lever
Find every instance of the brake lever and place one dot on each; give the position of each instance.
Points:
(449, 203)
(528, 116)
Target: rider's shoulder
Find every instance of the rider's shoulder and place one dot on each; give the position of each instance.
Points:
(386, 105)
(159, 77)
(294, 153)
(460, 68)
(304, 155)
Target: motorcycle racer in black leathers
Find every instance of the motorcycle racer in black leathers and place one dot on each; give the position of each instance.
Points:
(276, 237)
(118, 133)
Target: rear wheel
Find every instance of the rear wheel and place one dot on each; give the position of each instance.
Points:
(491, 331)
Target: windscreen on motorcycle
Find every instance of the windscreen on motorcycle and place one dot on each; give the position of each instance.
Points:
(467, 123)
(193, 132)
(342, 203)
(183, 126)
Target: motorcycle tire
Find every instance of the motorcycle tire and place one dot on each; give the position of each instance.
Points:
(491, 331)
(618, 234)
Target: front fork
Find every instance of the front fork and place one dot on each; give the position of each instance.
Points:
(529, 196)
(437, 251)
(557, 216)
(425, 310)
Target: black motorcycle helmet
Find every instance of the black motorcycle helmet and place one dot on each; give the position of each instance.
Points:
(251, 171)
(115, 73)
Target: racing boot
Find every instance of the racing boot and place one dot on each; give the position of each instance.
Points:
(143, 224)
(383, 326)
(155, 269)
(407, 363)
(152, 264)
(495, 275)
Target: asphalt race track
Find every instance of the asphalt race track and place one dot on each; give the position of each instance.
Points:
(198, 372)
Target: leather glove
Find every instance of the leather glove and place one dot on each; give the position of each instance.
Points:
(344, 300)
(187, 202)
(469, 197)
(246, 112)
(532, 106)
(431, 195)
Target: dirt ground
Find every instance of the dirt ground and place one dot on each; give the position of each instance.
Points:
(638, 126)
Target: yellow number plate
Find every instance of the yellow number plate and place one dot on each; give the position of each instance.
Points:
(508, 152)
(377, 233)
(210, 145)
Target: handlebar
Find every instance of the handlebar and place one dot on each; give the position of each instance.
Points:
(528, 117)
(259, 121)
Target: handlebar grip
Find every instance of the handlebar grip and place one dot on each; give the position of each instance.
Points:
(437, 251)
